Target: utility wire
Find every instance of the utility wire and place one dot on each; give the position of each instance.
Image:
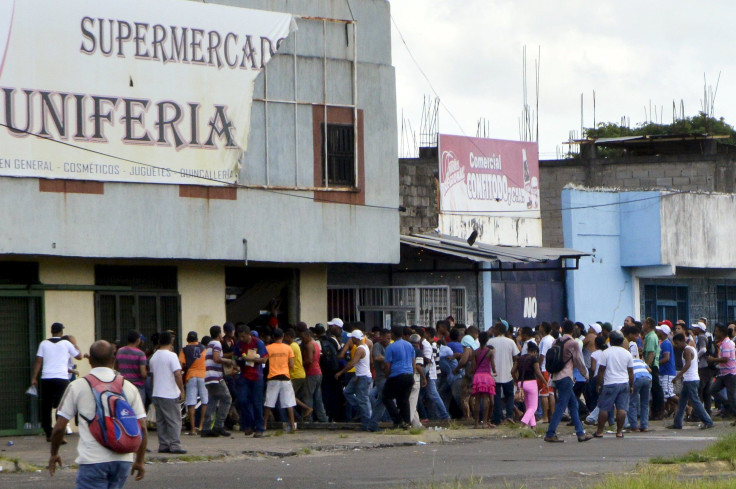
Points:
(442, 103)
(307, 197)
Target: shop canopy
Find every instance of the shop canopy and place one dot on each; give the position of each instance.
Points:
(480, 252)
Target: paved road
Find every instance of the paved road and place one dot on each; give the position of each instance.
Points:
(504, 461)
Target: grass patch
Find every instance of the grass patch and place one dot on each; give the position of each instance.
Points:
(11, 464)
(454, 425)
(306, 451)
(527, 434)
(343, 436)
(416, 431)
(649, 480)
(278, 433)
(193, 458)
(724, 450)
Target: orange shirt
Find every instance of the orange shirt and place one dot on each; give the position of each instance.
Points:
(278, 359)
(198, 368)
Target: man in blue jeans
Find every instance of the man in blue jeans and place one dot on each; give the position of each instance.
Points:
(378, 410)
(690, 384)
(564, 383)
(437, 407)
(250, 354)
(357, 390)
(505, 356)
(639, 401)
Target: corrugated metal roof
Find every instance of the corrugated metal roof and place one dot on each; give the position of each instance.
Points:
(479, 252)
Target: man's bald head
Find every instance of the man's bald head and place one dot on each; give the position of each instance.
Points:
(101, 354)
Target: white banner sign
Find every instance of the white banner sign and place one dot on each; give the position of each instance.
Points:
(130, 90)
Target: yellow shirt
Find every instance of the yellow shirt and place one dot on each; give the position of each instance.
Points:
(298, 371)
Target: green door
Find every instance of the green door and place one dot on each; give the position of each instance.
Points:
(21, 326)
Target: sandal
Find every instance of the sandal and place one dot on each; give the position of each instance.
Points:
(596, 435)
(619, 435)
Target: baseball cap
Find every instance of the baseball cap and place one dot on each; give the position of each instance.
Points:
(357, 334)
(607, 326)
(192, 336)
(319, 329)
(415, 338)
(667, 323)
(596, 327)
(57, 328)
(504, 322)
(700, 325)
(664, 328)
(335, 322)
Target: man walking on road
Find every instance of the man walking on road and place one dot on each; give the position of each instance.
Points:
(615, 383)
(53, 355)
(651, 352)
(168, 392)
(357, 390)
(399, 368)
(219, 400)
(564, 384)
(99, 467)
(690, 384)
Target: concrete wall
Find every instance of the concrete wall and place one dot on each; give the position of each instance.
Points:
(154, 221)
(419, 195)
(684, 172)
(202, 290)
(74, 309)
(699, 230)
(313, 294)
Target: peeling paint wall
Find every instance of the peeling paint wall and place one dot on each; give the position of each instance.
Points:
(699, 230)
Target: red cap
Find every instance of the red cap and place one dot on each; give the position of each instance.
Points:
(665, 322)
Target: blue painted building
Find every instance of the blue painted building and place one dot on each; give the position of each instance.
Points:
(663, 254)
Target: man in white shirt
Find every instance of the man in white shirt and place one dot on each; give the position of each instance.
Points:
(431, 392)
(53, 355)
(615, 382)
(168, 392)
(505, 353)
(98, 465)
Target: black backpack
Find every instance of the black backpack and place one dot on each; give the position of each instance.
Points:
(710, 351)
(191, 354)
(328, 357)
(553, 360)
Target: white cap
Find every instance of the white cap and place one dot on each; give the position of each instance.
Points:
(596, 327)
(357, 334)
(700, 325)
(335, 322)
(665, 329)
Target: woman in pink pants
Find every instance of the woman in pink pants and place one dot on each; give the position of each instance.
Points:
(526, 372)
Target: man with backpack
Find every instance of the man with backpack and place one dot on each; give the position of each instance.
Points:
(192, 358)
(104, 460)
(704, 347)
(560, 359)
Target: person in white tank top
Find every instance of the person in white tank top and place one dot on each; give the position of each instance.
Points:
(690, 383)
(358, 389)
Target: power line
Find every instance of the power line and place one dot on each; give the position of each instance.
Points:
(431, 86)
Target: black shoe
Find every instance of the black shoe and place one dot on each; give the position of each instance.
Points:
(164, 450)
(179, 451)
(673, 427)
(209, 434)
(221, 432)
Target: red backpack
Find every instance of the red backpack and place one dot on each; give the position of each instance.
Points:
(115, 424)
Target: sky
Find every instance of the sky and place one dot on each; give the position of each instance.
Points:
(632, 54)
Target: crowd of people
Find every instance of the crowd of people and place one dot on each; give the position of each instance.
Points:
(239, 378)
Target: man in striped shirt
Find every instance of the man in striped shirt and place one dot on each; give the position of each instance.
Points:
(726, 363)
(132, 365)
(218, 406)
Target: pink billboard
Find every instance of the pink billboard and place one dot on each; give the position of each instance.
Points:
(488, 177)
